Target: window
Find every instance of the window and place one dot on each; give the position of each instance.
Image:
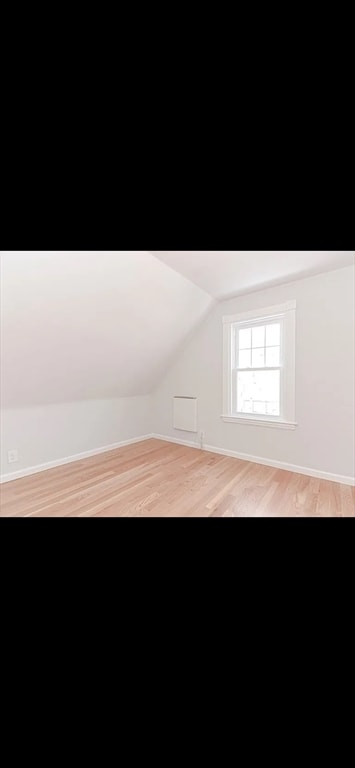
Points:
(259, 367)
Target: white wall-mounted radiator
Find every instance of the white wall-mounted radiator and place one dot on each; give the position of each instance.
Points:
(185, 413)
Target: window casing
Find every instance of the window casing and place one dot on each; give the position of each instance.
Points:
(259, 367)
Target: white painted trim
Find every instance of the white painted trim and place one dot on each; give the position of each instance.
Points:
(286, 313)
(345, 479)
(68, 459)
(227, 366)
(261, 422)
(187, 443)
(253, 314)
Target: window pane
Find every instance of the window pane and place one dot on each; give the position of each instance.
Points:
(259, 407)
(258, 336)
(258, 387)
(244, 358)
(273, 335)
(245, 338)
(273, 409)
(258, 358)
(272, 356)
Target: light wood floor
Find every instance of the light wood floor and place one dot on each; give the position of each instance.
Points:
(156, 478)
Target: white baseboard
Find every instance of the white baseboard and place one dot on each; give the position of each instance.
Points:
(345, 479)
(68, 459)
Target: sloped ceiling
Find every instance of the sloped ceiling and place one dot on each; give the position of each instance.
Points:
(225, 274)
(80, 325)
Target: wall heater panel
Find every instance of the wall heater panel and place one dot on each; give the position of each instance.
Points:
(185, 413)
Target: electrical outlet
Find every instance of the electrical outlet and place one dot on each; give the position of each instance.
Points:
(12, 456)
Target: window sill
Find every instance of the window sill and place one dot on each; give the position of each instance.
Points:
(261, 422)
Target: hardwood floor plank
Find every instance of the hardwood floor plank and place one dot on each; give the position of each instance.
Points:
(155, 478)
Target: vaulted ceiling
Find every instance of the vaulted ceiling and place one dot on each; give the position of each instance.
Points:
(225, 274)
(80, 325)
(86, 325)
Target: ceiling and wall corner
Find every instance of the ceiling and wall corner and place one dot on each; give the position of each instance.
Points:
(324, 440)
(90, 325)
(226, 274)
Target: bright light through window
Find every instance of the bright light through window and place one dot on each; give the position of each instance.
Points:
(259, 366)
(259, 392)
(258, 348)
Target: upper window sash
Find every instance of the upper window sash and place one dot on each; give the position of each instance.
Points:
(235, 327)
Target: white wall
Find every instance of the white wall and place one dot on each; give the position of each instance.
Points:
(325, 386)
(43, 434)
(84, 338)
(90, 325)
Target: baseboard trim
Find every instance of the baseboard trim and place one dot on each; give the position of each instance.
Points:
(344, 479)
(69, 459)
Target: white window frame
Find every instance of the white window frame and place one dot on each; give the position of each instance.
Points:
(286, 314)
